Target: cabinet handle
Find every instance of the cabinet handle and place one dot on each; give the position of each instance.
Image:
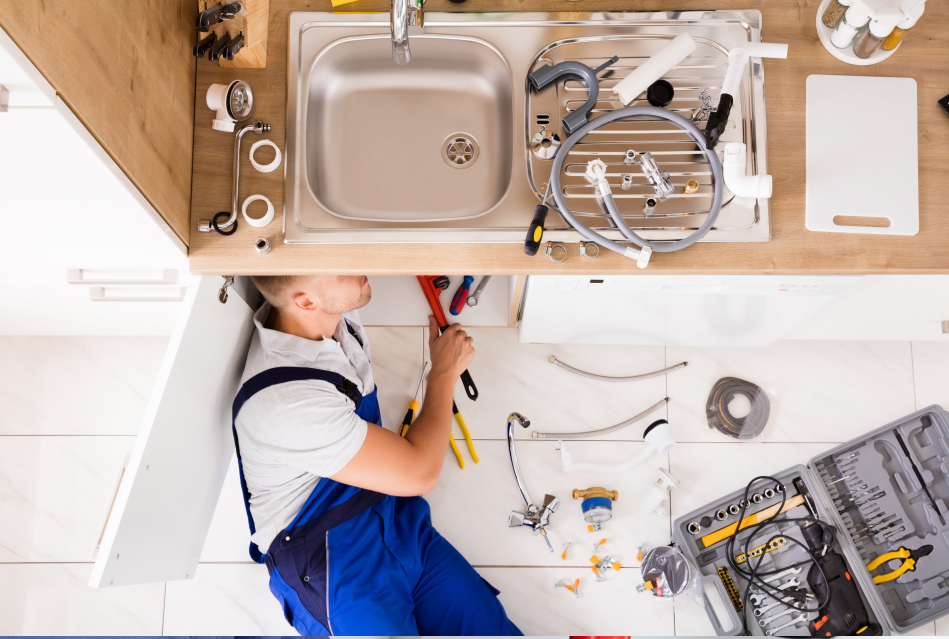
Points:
(133, 294)
(141, 277)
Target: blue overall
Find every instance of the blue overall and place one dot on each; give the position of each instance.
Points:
(358, 562)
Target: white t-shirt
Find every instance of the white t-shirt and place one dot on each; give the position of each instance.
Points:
(294, 433)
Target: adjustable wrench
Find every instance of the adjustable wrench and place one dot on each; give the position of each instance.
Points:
(756, 598)
(801, 618)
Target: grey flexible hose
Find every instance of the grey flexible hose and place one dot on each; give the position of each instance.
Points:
(650, 113)
(609, 378)
(602, 431)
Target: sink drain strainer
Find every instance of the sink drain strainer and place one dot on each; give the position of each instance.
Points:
(459, 151)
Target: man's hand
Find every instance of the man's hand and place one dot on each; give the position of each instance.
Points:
(451, 352)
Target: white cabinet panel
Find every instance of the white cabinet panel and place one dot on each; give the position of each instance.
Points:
(704, 310)
(165, 502)
(884, 307)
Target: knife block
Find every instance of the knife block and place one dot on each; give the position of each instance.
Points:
(254, 25)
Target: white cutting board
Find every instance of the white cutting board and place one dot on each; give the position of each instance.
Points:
(862, 156)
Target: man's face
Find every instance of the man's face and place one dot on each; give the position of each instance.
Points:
(337, 294)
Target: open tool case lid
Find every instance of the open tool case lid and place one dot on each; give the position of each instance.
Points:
(912, 520)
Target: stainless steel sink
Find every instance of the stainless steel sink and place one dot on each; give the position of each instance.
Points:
(440, 149)
(428, 141)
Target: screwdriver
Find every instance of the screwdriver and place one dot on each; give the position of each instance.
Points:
(413, 406)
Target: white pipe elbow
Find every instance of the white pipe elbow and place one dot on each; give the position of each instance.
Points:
(738, 57)
(737, 180)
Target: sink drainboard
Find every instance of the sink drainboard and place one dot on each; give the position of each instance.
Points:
(697, 82)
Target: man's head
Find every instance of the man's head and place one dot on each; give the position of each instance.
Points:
(327, 294)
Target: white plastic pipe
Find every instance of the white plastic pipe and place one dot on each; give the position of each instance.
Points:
(663, 61)
(736, 178)
(738, 58)
(657, 440)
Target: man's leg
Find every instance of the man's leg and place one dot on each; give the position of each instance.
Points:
(367, 589)
(451, 598)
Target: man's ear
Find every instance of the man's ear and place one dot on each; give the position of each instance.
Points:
(303, 302)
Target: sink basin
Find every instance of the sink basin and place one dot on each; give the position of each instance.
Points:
(428, 141)
(445, 148)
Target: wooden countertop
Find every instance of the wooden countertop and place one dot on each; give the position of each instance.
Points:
(793, 249)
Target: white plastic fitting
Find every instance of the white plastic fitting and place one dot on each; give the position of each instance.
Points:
(738, 57)
(654, 500)
(663, 61)
(658, 439)
(737, 180)
(231, 103)
(217, 101)
(596, 175)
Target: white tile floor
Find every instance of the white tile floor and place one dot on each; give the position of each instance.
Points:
(69, 408)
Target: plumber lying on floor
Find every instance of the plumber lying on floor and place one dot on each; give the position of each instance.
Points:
(333, 498)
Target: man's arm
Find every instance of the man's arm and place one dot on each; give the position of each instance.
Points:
(411, 465)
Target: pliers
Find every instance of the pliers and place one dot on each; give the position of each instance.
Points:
(910, 556)
(464, 431)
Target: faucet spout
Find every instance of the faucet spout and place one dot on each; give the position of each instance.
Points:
(404, 14)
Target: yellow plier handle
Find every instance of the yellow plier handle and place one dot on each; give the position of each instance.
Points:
(467, 435)
(464, 431)
(902, 553)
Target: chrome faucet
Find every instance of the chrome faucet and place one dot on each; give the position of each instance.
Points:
(404, 14)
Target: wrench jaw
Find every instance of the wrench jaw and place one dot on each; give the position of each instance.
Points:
(756, 598)
(767, 621)
(801, 618)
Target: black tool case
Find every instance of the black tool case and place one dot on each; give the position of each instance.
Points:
(877, 460)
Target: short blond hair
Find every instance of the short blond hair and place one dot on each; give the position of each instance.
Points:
(277, 289)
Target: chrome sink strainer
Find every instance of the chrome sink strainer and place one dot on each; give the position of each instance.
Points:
(459, 151)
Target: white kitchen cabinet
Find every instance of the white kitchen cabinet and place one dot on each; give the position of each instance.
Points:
(701, 310)
(66, 205)
(883, 307)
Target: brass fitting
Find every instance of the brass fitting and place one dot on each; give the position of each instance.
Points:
(595, 491)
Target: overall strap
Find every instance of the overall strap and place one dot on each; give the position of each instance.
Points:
(352, 331)
(266, 379)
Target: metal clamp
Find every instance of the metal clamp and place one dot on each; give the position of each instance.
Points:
(551, 247)
(589, 250)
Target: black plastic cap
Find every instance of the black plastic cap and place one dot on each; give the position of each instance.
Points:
(660, 93)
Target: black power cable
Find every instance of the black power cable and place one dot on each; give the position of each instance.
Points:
(754, 576)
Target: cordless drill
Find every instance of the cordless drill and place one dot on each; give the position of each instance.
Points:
(844, 614)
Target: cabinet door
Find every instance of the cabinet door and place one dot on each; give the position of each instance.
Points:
(162, 509)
